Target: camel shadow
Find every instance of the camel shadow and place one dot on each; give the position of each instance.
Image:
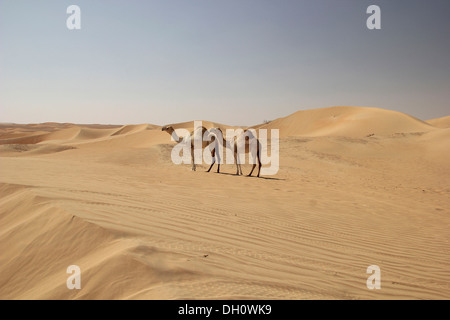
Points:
(245, 176)
(266, 178)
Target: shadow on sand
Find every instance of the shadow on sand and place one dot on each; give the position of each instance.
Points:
(246, 176)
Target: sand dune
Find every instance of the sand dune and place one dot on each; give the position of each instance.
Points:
(443, 122)
(131, 129)
(37, 133)
(356, 187)
(347, 121)
(65, 134)
(88, 134)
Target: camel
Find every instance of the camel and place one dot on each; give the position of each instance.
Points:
(197, 133)
(240, 139)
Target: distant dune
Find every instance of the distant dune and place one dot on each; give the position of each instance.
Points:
(443, 122)
(131, 129)
(346, 121)
(356, 187)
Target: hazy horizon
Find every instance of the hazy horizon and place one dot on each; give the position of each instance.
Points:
(233, 62)
(188, 120)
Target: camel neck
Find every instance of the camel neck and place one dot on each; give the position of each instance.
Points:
(175, 136)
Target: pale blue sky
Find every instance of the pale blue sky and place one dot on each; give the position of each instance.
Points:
(231, 61)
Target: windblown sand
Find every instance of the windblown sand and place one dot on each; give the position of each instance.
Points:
(356, 187)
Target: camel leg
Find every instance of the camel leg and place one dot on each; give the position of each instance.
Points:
(193, 159)
(210, 166)
(214, 160)
(240, 168)
(253, 168)
(259, 160)
(235, 162)
(218, 164)
(254, 165)
(259, 167)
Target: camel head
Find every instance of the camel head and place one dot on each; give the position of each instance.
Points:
(168, 129)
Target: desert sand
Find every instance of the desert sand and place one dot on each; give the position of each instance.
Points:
(356, 187)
